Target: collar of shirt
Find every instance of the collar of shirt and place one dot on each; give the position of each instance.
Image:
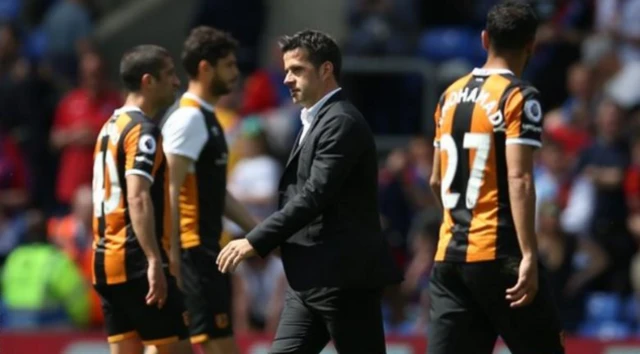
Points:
(493, 71)
(307, 115)
(200, 101)
(125, 109)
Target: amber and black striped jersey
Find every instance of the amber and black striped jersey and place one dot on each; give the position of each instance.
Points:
(127, 144)
(476, 117)
(193, 131)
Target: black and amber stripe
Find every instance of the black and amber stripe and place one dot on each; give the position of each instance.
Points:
(484, 232)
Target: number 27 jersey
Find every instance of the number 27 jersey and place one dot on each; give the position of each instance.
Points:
(476, 117)
(129, 144)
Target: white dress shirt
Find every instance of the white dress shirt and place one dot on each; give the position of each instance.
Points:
(307, 115)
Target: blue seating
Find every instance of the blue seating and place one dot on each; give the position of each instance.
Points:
(630, 310)
(606, 329)
(446, 43)
(601, 306)
(35, 44)
(9, 9)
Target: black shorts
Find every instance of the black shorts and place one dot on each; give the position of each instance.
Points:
(127, 315)
(207, 295)
(469, 311)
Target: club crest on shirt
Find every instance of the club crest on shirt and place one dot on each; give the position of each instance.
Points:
(532, 110)
(147, 144)
(222, 320)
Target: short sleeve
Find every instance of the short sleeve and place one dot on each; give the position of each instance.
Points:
(437, 119)
(141, 150)
(185, 133)
(523, 116)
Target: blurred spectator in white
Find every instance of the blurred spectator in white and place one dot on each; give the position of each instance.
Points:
(78, 120)
(550, 173)
(68, 28)
(576, 216)
(618, 19)
(624, 87)
(572, 264)
(259, 286)
(382, 27)
(254, 180)
(604, 164)
(41, 286)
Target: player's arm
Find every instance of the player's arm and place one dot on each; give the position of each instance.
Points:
(436, 181)
(178, 167)
(523, 120)
(140, 167)
(142, 159)
(236, 212)
(523, 116)
(142, 217)
(184, 135)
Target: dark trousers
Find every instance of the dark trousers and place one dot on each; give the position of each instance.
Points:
(352, 318)
(469, 311)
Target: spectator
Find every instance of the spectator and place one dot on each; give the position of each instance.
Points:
(572, 264)
(79, 118)
(68, 27)
(35, 298)
(424, 242)
(396, 206)
(604, 164)
(618, 19)
(73, 235)
(14, 192)
(258, 294)
(382, 27)
(254, 180)
(27, 101)
(551, 174)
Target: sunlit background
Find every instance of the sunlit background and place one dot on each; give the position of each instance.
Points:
(58, 84)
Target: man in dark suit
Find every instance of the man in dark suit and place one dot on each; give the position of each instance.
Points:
(328, 229)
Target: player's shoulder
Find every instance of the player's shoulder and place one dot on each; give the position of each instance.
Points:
(457, 85)
(183, 117)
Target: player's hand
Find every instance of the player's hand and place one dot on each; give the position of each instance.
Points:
(234, 253)
(157, 285)
(527, 286)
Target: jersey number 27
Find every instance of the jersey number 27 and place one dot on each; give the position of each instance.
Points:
(481, 142)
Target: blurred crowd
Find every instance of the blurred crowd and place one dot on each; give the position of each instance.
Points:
(55, 96)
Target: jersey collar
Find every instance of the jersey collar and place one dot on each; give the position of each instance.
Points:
(126, 109)
(487, 72)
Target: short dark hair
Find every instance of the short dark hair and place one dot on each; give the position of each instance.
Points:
(320, 48)
(206, 43)
(143, 59)
(511, 25)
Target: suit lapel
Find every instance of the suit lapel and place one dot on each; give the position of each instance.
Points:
(297, 146)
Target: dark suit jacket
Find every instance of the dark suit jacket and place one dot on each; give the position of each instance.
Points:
(328, 226)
